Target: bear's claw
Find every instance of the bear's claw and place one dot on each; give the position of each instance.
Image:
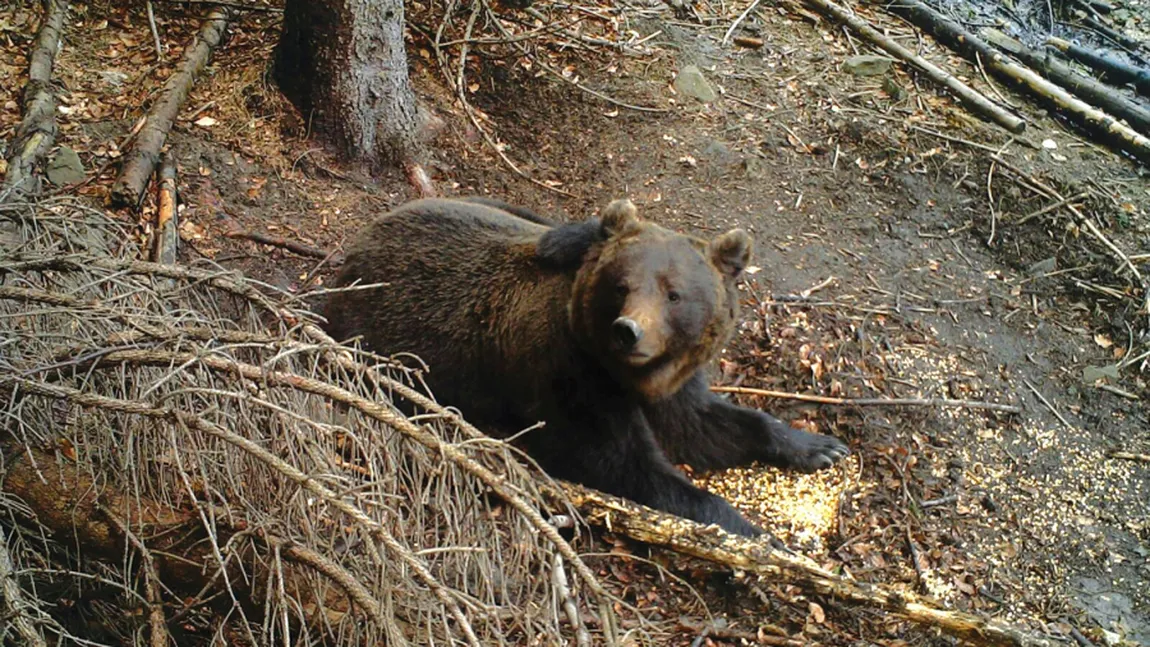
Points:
(813, 452)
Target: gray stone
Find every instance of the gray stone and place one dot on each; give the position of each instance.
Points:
(113, 78)
(692, 83)
(1092, 374)
(1045, 266)
(895, 91)
(754, 168)
(65, 167)
(867, 65)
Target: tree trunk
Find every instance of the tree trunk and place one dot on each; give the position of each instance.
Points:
(343, 64)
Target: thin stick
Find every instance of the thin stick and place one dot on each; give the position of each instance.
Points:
(336, 573)
(1052, 207)
(277, 241)
(155, 31)
(1048, 405)
(950, 138)
(863, 402)
(741, 18)
(461, 92)
(990, 204)
(1127, 456)
(224, 3)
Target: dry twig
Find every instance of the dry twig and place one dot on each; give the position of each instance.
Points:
(864, 402)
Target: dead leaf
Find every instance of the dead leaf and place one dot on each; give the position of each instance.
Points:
(1103, 341)
(205, 122)
(817, 613)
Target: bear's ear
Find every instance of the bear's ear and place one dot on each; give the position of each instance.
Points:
(618, 217)
(731, 252)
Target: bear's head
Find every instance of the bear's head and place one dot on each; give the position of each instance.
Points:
(653, 305)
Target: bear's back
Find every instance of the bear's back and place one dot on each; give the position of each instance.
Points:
(461, 289)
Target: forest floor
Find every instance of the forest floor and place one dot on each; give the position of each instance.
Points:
(890, 261)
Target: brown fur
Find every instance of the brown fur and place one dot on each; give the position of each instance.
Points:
(519, 323)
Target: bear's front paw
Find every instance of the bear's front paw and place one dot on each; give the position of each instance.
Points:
(805, 451)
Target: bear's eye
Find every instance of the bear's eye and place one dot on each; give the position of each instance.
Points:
(673, 296)
(622, 290)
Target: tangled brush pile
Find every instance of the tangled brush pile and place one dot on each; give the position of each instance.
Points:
(186, 445)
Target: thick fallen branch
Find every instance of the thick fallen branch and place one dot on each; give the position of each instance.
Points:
(963, 41)
(167, 234)
(715, 545)
(1084, 86)
(969, 96)
(37, 130)
(141, 159)
(1118, 70)
(863, 402)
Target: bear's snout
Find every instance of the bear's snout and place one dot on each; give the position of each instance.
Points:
(626, 332)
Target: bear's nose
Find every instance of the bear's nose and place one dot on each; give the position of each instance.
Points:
(627, 332)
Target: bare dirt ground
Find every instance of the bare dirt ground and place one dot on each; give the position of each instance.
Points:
(890, 263)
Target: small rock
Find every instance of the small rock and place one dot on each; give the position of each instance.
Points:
(867, 65)
(114, 78)
(895, 91)
(692, 83)
(716, 150)
(753, 168)
(988, 503)
(65, 167)
(1045, 266)
(1092, 374)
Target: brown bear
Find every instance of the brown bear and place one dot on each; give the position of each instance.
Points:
(601, 329)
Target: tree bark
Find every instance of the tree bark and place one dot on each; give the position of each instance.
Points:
(343, 64)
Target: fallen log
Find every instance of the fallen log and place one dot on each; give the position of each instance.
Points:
(37, 130)
(141, 159)
(1084, 86)
(967, 95)
(715, 545)
(961, 40)
(1119, 70)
